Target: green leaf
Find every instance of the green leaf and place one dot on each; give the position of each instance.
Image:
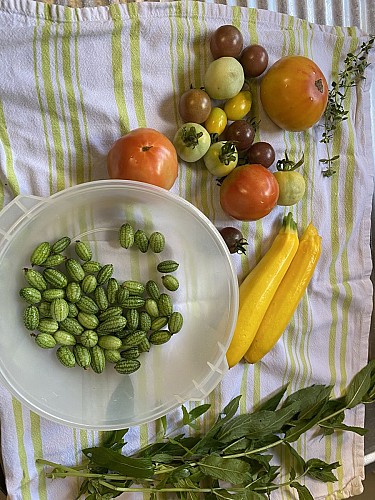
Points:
(300, 462)
(318, 469)
(303, 491)
(231, 470)
(273, 402)
(258, 424)
(310, 398)
(115, 438)
(198, 411)
(112, 460)
(342, 427)
(359, 386)
(185, 415)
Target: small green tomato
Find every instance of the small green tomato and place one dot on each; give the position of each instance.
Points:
(221, 158)
(192, 142)
(292, 184)
(224, 78)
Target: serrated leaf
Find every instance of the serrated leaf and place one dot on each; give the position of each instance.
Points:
(310, 398)
(231, 470)
(162, 458)
(300, 462)
(114, 461)
(303, 491)
(318, 469)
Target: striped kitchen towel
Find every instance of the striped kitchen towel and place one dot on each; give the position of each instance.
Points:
(74, 80)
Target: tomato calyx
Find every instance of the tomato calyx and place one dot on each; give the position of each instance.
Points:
(319, 85)
(146, 148)
(228, 153)
(287, 165)
(190, 137)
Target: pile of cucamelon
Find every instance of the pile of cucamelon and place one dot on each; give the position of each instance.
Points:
(78, 306)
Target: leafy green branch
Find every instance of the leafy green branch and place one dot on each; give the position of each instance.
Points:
(236, 450)
(355, 65)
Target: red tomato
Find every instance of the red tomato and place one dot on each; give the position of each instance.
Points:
(249, 192)
(144, 155)
(294, 93)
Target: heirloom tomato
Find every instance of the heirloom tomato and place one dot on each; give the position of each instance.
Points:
(249, 192)
(227, 40)
(216, 122)
(224, 78)
(194, 106)
(192, 142)
(144, 155)
(294, 93)
(221, 158)
(238, 106)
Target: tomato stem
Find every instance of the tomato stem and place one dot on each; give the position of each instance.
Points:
(289, 165)
(190, 137)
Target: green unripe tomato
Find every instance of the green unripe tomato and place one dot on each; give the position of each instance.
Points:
(224, 78)
(221, 158)
(191, 142)
(292, 187)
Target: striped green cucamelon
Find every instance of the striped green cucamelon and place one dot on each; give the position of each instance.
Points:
(87, 304)
(97, 359)
(35, 279)
(144, 346)
(44, 309)
(159, 337)
(152, 308)
(127, 366)
(45, 341)
(134, 287)
(73, 292)
(40, 253)
(87, 320)
(167, 266)
(112, 289)
(31, 317)
(64, 338)
(109, 342)
(133, 302)
(157, 242)
(152, 289)
(109, 313)
(126, 235)
(48, 325)
(30, 295)
(55, 278)
(122, 295)
(82, 356)
(130, 353)
(65, 356)
(89, 283)
(144, 321)
(133, 338)
(54, 260)
(165, 305)
(112, 325)
(132, 318)
(53, 293)
(89, 338)
(83, 250)
(101, 298)
(72, 325)
(159, 322)
(74, 269)
(175, 322)
(60, 245)
(104, 274)
(112, 355)
(59, 309)
(141, 240)
(73, 310)
(170, 282)
(91, 266)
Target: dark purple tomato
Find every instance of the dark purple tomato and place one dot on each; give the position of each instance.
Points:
(254, 60)
(242, 133)
(194, 106)
(233, 239)
(226, 41)
(261, 152)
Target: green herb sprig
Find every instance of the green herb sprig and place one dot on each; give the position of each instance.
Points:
(236, 450)
(335, 113)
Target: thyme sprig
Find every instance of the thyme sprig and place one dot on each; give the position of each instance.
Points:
(236, 451)
(355, 65)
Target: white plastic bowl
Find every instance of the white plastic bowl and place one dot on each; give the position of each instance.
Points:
(188, 367)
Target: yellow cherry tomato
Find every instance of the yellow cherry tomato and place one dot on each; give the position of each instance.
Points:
(216, 121)
(238, 106)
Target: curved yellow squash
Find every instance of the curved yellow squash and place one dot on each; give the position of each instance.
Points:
(259, 286)
(287, 296)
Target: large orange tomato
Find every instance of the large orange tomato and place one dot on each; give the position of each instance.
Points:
(144, 155)
(294, 93)
(249, 192)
